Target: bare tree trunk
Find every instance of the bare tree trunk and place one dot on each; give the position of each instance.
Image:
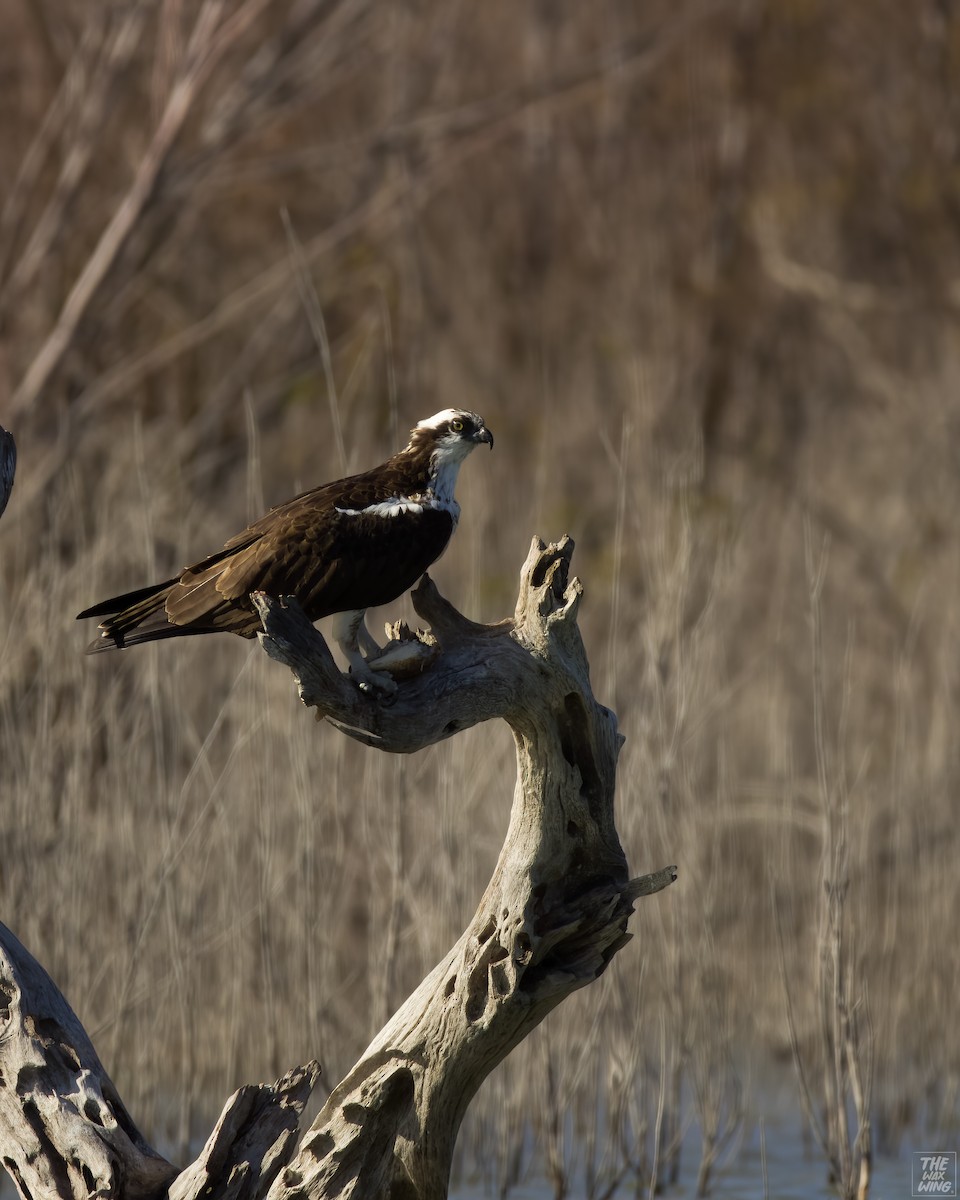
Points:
(552, 917)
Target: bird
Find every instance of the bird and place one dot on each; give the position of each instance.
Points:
(338, 549)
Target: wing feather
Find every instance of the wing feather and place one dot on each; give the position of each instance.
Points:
(329, 560)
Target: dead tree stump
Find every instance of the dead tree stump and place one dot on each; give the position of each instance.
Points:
(552, 917)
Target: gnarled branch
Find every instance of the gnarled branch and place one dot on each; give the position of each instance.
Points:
(554, 913)
(552, 917)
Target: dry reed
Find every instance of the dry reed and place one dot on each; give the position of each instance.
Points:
(701, 311)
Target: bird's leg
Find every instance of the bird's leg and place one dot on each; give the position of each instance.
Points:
(368, 643)
(346, 629)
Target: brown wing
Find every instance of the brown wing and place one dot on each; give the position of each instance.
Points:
(330, 561)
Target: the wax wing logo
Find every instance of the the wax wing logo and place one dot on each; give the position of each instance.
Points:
(934, 1174)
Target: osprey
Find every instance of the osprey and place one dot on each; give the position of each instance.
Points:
(339, 549)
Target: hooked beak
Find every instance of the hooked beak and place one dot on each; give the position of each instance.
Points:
(484, 435)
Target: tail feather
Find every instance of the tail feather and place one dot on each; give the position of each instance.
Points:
(135, 617)
(117, 604)
(108, 640)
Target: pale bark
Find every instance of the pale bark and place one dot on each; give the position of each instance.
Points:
(65, 1134)
(552, 917)
(63, 1129)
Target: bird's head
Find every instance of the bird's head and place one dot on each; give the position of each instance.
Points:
(449, 436)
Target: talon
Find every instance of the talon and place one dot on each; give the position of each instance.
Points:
(372, 682)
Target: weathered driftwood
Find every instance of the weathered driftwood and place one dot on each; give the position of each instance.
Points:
(8, 466)
(554, 913)
(552, 917)
(63, 1129)
(65, 1133)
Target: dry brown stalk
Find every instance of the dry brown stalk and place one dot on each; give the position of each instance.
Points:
(72, 92)
(215, 30)
(845, 1055)
(94, 74)
(577, 267)
(444, 141)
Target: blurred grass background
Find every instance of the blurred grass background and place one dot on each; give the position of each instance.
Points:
(698, 265)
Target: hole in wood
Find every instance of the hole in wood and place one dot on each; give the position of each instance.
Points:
(577, 750)
(476, 1000)
(499, 981)
(50, 1031)
(559, 566)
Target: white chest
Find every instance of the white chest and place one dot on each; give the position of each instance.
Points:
(438, 497)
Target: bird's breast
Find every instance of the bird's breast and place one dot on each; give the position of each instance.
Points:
(416, 503)
(373, 555)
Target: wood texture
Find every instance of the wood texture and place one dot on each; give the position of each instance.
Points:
(65, 1134)
(554, 913)
(64, 1131)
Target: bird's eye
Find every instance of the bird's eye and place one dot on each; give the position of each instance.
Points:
(456, 425)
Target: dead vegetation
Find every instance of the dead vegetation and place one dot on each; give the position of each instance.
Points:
(697, 266)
